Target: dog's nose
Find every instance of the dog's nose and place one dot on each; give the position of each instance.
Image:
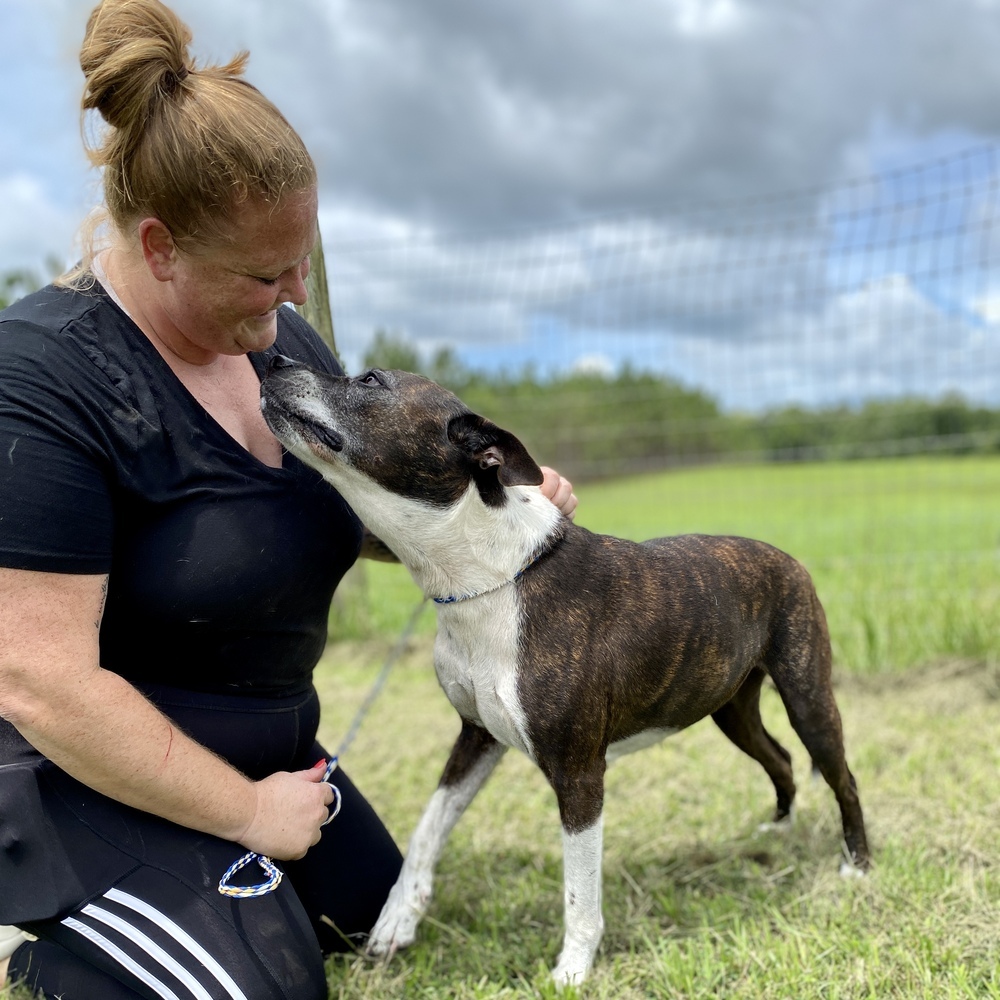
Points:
(280, 361)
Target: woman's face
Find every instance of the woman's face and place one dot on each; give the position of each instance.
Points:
(223, 299)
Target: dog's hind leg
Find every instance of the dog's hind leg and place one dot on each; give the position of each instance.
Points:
(740, 720)
(802, 677)
(817, 721)
(473, 758)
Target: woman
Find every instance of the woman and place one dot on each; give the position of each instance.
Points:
(166, 570)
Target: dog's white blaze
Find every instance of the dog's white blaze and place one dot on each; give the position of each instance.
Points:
(476, 659)
(639, 741)
(582, 901)
(467, 548)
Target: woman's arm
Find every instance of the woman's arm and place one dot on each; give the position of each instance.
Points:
(102, 731)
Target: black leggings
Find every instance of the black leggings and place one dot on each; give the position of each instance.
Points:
(163, 930)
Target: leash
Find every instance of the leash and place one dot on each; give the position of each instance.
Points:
(270, 869)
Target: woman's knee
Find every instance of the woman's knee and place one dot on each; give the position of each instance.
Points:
(154, 937)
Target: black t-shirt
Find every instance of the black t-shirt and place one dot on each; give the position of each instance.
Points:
(221, 569)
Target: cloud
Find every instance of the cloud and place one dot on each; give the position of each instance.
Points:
(492, 115)
(878, 294)
(646, 179)
(459, 115)
(33, 227)
(988, 307)
(883, 340)
(594, 364)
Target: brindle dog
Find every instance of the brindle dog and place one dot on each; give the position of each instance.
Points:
(570, 646)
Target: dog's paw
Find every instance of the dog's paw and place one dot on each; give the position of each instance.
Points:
(397, 924)
(783, 825)
(390, 934)
(850, 870)
(564, 975)
(851, 866)
(574, 963)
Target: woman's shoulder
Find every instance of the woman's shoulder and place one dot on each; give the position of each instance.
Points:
(64, 335)
(53, 319)
(54, 307)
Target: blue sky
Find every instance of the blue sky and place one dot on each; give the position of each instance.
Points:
(498, 161)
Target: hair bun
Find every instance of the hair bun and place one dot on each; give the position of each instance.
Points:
(133, 52)
(187, 144)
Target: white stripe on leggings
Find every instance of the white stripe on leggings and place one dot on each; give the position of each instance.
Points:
(180, 936)
(119, 956)
(150, 947)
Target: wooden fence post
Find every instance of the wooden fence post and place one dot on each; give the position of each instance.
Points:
(318, 314)
(316, 311)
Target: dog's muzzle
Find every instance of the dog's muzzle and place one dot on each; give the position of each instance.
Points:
(278, 397)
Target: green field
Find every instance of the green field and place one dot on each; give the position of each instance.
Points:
(696, 904)
(905, 552)
(906, 556)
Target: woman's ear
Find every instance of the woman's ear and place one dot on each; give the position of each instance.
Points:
(158, 248)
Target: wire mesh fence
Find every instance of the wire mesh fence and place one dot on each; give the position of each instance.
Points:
(854, 327)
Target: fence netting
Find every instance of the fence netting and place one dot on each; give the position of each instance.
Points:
(847, 331)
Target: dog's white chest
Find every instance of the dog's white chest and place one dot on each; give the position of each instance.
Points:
(475, 656)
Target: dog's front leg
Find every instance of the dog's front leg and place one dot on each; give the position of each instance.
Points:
(581, 809)
(472, 760)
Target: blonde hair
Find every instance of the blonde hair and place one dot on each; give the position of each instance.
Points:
(182, 143)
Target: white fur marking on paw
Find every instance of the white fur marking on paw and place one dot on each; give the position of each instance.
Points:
(779, 826)
(582, 901)
(850, 870)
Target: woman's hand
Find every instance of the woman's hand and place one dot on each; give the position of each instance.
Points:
(559, 490)
(291, 808)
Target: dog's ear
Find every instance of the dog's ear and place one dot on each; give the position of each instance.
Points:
(491, 447)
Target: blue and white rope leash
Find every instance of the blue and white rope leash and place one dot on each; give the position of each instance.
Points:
(271, 870)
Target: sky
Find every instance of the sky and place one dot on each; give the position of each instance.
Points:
(686, 185)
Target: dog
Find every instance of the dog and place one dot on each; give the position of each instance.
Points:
(572, 647)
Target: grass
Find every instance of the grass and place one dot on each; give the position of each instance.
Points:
(905, 552)
(697, 904)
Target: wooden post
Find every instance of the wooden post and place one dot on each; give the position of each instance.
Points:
(316, 311)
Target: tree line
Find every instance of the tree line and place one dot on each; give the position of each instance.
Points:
(593, 426)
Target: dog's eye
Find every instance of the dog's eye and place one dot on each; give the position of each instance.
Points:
(371, 378)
